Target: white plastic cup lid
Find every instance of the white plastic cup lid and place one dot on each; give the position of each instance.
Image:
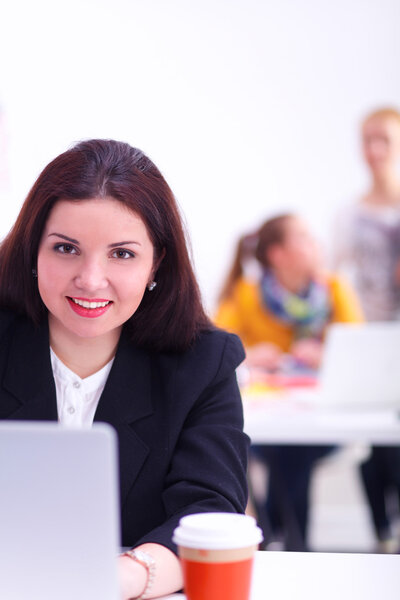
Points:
(217, 531)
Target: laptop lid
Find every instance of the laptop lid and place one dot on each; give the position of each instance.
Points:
(59, 527)
(360, 366)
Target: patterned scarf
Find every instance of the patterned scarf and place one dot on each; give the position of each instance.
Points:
(308, 312)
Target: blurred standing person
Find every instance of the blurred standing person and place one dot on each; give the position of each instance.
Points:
(284, 315)
(367, 243)
(366, 234)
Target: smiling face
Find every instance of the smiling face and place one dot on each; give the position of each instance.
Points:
(95, 259)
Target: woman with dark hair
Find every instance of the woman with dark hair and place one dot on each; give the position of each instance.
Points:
(101, 320)
(281, 318)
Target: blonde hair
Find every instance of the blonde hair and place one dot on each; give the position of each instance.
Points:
(386, 112)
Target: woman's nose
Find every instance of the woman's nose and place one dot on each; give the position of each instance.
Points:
(91, 275)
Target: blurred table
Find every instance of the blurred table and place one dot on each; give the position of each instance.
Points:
(316, 576)
(293, 415)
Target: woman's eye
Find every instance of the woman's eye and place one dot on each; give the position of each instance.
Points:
(65, 249)
(124, 254)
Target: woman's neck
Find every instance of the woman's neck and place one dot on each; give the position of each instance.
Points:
(292, 282)
(84, 356)
(385, 190)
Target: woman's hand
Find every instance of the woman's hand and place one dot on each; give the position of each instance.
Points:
(264, 356)
(133, 576)
(308, 352)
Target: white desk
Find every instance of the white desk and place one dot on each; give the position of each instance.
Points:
(294, 417)
(324, 576)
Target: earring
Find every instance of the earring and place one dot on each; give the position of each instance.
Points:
(34, 273)
(151, 285)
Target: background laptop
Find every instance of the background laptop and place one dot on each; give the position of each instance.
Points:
(59, 517)
(361, 366)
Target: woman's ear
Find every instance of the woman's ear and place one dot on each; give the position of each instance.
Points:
(159, 259)
(157, 263)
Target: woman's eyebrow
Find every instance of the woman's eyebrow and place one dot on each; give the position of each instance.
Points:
(64, 237)
(116, 244)
(73, 241)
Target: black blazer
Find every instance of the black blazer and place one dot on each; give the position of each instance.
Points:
(178, 418)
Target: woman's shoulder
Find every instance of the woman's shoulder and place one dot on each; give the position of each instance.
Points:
(344, 298)
(216, 340)
(246, 289)
(215, 353)
(336, 282)
(364, 210)
(347, 215)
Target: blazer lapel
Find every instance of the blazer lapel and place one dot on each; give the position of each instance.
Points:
(125, 399)
(29, 376)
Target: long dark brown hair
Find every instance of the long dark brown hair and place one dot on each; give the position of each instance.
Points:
(170, 317)
(257, 244)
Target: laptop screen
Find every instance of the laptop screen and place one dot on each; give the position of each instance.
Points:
(360, 365)
(58, 512)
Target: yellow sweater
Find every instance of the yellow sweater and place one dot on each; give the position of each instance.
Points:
(244, 313)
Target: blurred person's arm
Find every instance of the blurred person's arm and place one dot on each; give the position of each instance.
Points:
(228, 316)
(346, 308)
(396, 244)
(308, 352)
(397, 274)
(345, 303)
(234, 312)
(237, 314)
(264, 355)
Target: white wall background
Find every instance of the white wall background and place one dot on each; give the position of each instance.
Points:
(249, 107)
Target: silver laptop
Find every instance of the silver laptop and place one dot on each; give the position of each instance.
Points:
(361, 366)
(59, 517)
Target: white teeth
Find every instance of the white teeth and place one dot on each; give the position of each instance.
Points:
(87, 304)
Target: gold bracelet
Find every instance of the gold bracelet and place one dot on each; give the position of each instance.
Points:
(148, 562)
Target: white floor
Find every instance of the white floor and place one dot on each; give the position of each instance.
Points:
(339, 517)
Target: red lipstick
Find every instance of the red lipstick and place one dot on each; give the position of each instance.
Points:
(90, 313)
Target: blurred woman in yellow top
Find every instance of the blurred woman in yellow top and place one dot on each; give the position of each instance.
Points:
(287, 308)
(283, 313)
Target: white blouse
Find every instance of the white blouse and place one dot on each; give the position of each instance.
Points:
(77, 398)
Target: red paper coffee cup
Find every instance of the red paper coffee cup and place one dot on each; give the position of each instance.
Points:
(217, 553)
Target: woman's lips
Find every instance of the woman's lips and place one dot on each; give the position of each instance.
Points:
(89, 307)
